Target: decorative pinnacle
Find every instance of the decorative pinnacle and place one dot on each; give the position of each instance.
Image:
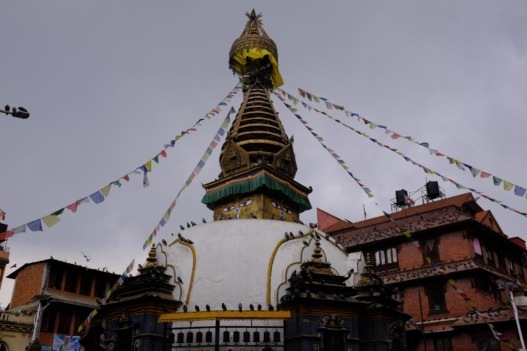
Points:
(317, 252)
(253, 16)
(152, 257)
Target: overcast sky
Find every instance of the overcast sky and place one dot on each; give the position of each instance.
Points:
(109, 83)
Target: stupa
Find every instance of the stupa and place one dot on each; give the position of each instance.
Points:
(256, 277)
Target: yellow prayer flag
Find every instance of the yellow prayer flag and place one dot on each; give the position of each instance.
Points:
(50, 220)
(507, 186)
(149, 166)
(106, 190)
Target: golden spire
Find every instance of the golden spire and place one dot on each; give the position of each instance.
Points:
(257, 159)
(257, 136)
(255, 54)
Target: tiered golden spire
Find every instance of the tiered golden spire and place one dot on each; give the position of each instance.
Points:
(257, 159)
(257, 136)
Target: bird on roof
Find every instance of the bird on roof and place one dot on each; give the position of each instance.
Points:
(180, 280)
(192, 223)
(207, 307)
(13, 266)
(286, 235)
(223, 306)
(184, 308)
(271, 308)
(188, 241)
(181, 227)
(300, 232)
(164, 242)
(259, 307)
(204, 220)
(188, 225)
(251, 306)
(305, 243)
(196, 308)
(291, 235)
(240, 307)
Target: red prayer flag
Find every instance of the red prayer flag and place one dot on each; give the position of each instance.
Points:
(73, 207)
(163, 153)
(126, 177)
(5, 235)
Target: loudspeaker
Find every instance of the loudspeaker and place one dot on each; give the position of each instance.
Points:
(432, 190)
(400, 197)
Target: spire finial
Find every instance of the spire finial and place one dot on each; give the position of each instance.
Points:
(317, 252)
(152, 257)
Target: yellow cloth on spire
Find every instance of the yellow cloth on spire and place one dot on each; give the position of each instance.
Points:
(239, 62)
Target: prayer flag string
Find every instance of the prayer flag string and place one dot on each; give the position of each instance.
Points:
(497, 181)
(100, 195)
(499, 336)
(212, 145)
(166, 216)
(406, 158)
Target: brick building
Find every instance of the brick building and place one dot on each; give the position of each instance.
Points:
(61, 293)
(469, 254)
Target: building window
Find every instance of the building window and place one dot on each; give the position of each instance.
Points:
(180, 337)
(100, 288)
(3, 346)
(55, 278)
(64, 326)
(490, 344)
(71, 282)
(266, 336)
(443, 344)
(199, 337)
(208, 336)
(490, 257)
(276, 336)
(436, 298)
(85, 288)
(226, 336)
(246, 336)
(385, 258)
(477, 246)
(190, 337)
(486, 286)
(48, 320)
(512, 270)
(431, 251)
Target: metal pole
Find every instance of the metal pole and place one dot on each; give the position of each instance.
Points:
(517, 319)
(422, 320)
(217, 336)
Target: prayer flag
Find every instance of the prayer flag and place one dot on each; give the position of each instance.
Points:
(50, 220)
(519, 191)
(97, 197)
(35, 226)
(106, 190)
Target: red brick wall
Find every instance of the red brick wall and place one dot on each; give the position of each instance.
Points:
(452, 246)
(28, 284)
(409, 256)
(456, 305)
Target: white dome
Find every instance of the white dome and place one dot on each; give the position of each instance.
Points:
(245, 261)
